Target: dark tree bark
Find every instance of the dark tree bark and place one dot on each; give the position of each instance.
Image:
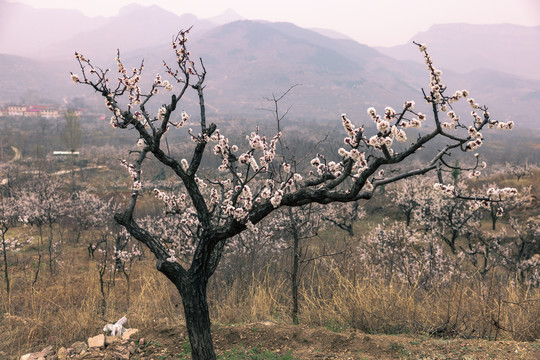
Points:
(193, 291)
(295, 267)
(6, 270)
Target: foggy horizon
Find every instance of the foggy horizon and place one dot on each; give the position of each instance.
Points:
(384, 23)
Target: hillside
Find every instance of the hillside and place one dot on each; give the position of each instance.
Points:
(465, 48)
(24, 30)
(250, 60)
(22, 78)
(133, 28)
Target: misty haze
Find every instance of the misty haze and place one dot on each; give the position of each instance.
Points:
(176, 186)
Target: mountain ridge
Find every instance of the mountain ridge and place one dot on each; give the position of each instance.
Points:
(510, 48)
(248, 60)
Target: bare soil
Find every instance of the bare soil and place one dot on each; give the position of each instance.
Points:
(303, 342)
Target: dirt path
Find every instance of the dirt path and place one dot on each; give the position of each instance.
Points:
(60, 172)
(269, 340)
(307, 343)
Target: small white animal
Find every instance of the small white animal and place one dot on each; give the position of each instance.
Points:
(116, 329)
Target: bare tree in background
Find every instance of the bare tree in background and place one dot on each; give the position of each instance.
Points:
(71, 137)
(247, 188)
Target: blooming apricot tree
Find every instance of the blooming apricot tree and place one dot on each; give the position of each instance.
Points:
(44, 204)
(406, 195)
(509, 200)
(89, 212)
(444, 215)
(114, 252)
(252, 181)
(9, 217)
(412, 257)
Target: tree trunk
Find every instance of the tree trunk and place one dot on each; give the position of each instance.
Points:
(6, 271)
(191, 284)
(294, 281)
(408, 218)
(295, 267)
(493, 218)
(51, 255)
(193, 293)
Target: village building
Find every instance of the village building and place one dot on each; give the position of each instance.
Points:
(50, 113)
(32, 112)
(16, 110)
(46, 111)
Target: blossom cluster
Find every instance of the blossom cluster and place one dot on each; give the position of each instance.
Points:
(476, 139)
(359, 158)
(222, 149)
(435, 84)
(179, 46)
(13, 244)
(387, 131)
(127, 256)
(239, 213)
(503, 193)
(454, 118)
(352, 132)
(131, 82)
(134, 173)
(397, 252)
(185, 117)
(172, 202)
(500, 125)
(437, 87)
(160, 83)
(448, 190)
(256, 142)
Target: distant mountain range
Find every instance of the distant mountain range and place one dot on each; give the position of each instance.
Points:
(464, 48)
(248, 60)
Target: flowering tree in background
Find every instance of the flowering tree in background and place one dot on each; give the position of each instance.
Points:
(114, 252)
(407, 193)
(89, 212)
(252, 183)
(444, 215)
(44, 204)
(520, 171)
(9, 217)
(508, 201)
(397, 251)
(298, 224)
(523, 256)
(344, 216)
(515, 250)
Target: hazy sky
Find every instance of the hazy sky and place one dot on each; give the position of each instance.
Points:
(371, 22)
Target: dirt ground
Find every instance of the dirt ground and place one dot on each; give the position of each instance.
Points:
(302, 342)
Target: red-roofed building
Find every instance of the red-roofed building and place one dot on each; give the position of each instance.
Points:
(32, 111)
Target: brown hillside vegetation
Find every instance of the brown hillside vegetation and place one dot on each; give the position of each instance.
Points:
(347, 311)
(340, 318)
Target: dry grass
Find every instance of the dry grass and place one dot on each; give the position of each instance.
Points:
(66, 307)
(470, 308)
(329, 298)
